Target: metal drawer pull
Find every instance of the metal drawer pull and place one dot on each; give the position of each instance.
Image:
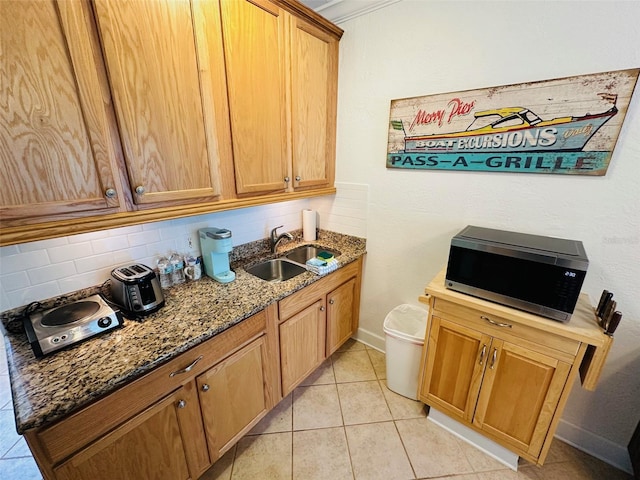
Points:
(483, 353)
(182, 404)
(205, 387)
(497, 324)
(493, 358)
(187, 369)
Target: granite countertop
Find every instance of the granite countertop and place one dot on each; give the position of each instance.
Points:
(45, 390)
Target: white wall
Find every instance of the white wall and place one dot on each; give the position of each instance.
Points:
(415, 48)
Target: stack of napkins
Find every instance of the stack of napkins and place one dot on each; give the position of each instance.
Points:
(322, 267)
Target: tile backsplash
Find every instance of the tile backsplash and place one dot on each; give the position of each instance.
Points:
(39, 270)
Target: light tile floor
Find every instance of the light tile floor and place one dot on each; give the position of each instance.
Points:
(342, 423)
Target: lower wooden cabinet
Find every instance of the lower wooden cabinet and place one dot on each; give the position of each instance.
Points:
(302, 345)
(154, 444)
(315, 321)
(233, 397)
(341, 319)
(505, 373)
(504, 389)
(176, 421)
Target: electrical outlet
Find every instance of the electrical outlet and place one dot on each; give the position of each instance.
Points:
(190, 242)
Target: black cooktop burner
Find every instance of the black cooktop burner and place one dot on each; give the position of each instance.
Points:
(69, 313)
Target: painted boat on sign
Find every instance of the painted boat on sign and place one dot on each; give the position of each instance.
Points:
(514, 129)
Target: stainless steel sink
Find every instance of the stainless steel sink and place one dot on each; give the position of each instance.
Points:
(276, 270)
(305, 252)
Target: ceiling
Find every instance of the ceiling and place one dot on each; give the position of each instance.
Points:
(339, 11)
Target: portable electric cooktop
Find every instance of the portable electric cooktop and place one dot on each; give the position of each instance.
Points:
(51, 330)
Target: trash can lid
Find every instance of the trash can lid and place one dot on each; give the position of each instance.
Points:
(407, 322)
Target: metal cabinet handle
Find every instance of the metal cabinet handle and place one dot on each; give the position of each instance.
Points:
(497, 324)
(494, 357)
(483, 353)
(205, 387)
(182, 404)
(110, 193)
(298, 178)
(286, 179)
(332, 301)
(322, 308)
(186, 369)
(140, 190)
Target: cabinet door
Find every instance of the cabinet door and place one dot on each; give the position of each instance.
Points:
(314, 78)
(340, 321)
(302, 343)
(456, 359)
(253, 34)
(519, 394)
(152, 54)
(233, 397)
(57, 147)
(151, 445)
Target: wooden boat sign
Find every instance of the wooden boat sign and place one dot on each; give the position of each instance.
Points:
(568, 125)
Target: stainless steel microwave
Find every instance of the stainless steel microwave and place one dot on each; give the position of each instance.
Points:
(537, 274)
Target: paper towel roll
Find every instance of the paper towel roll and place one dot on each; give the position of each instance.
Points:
(308, 225)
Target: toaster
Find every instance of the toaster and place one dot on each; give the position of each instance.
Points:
(135, 288)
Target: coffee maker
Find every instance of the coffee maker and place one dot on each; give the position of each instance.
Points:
(215, 244)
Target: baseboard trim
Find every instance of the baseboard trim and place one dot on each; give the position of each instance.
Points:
(370, 339)
(498, 452)
(595, 445)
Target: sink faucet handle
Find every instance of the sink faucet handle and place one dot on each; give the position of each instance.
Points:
(273, 231)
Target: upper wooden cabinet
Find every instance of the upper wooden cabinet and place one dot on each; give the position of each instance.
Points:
(115, 113)
(314, 86)
(254, 41)
(163, 60)
(58, 147)
(282, 75)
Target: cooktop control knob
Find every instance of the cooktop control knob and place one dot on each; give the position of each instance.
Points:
(104, 322)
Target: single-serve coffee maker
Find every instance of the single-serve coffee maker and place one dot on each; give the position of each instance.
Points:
(215, 244)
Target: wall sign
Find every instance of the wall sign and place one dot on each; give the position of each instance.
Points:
(568, 125)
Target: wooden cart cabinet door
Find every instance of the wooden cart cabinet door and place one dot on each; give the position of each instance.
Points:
(151, 445)
(456, 360)
(151, 51)
(232, 396)
(340, 321)
(253, 33)
(314, 77)
(520, 391)
(302, 341)
(56, 150)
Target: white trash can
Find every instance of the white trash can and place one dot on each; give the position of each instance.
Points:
(404, 329)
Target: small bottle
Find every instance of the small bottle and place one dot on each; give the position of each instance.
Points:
(177, 269)
(164, 272)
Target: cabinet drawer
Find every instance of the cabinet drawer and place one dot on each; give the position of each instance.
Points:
(499, 326)
(303, 298)
(71, 433)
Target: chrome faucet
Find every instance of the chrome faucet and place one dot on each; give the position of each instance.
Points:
(275, 239)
